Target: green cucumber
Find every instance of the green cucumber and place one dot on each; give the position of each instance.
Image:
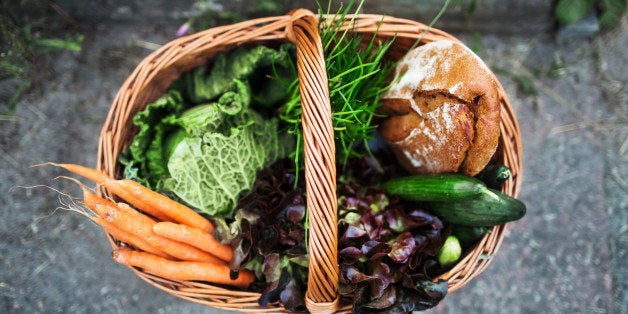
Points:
(489, 208)
(468, 235)
(494, 176)
(435, 187)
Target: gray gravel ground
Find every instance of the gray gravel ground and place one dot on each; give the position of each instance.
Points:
(567, 255)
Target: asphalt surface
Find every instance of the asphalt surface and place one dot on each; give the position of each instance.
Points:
(568, 255)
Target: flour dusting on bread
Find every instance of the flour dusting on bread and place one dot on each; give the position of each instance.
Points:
(446, 122)
(443, 110)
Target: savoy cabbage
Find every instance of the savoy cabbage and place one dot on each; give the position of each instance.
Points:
(205, 139)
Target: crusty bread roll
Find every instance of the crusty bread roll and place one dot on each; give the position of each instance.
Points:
(443, 110)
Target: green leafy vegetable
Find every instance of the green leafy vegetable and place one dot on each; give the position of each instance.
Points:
(210, 172)
(203, 140)
(256, 64)
(145, 160)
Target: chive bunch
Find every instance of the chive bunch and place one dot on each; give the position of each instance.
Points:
(357, 73)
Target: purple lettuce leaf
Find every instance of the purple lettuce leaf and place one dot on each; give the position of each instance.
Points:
(351, 235)
(354, 275)
(374, 249)
(386, 246)
(425, 295)
(383, 278)
(276, 280)
(350, 255)
(402, 247)
(292, 297)
(382, 302)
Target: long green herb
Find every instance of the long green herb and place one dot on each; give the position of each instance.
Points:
(357, 73)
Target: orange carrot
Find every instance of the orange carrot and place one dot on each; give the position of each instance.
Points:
(143, 227)
(128, 237)
(94, 202)
(90, 199)
(177, 211)
(128, 209)
(137, 224)
(88, 173)
(115, 188)
(145, 199)
(195, 237)
(108, 182)
(214, 273)
(101, 210)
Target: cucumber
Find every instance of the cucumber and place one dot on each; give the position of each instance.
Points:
(489, 208)
(435, 187)
(468, 235)
(494, 176)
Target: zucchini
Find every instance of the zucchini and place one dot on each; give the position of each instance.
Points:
(435, 187)
(489, 208)
(494, 176)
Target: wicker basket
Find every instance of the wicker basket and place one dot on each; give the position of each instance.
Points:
(154, 74)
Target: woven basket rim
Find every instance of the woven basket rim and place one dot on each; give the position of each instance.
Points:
(153, 75)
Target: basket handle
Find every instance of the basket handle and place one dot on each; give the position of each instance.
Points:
(320, 163)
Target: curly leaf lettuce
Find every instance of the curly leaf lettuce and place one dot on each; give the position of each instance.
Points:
(145, 159)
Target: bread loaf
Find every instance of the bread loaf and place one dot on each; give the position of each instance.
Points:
(442, 110)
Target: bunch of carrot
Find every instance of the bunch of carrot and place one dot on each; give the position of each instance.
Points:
(172, 240)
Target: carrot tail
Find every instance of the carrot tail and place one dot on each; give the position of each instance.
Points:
(195, 237)
(214, 273)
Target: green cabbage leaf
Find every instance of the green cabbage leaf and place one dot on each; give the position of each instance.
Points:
(211, 171)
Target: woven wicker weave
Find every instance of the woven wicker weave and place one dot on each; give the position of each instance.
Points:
(154, 74)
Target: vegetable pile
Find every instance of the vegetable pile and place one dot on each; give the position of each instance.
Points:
(387, 245)
(211, 186)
